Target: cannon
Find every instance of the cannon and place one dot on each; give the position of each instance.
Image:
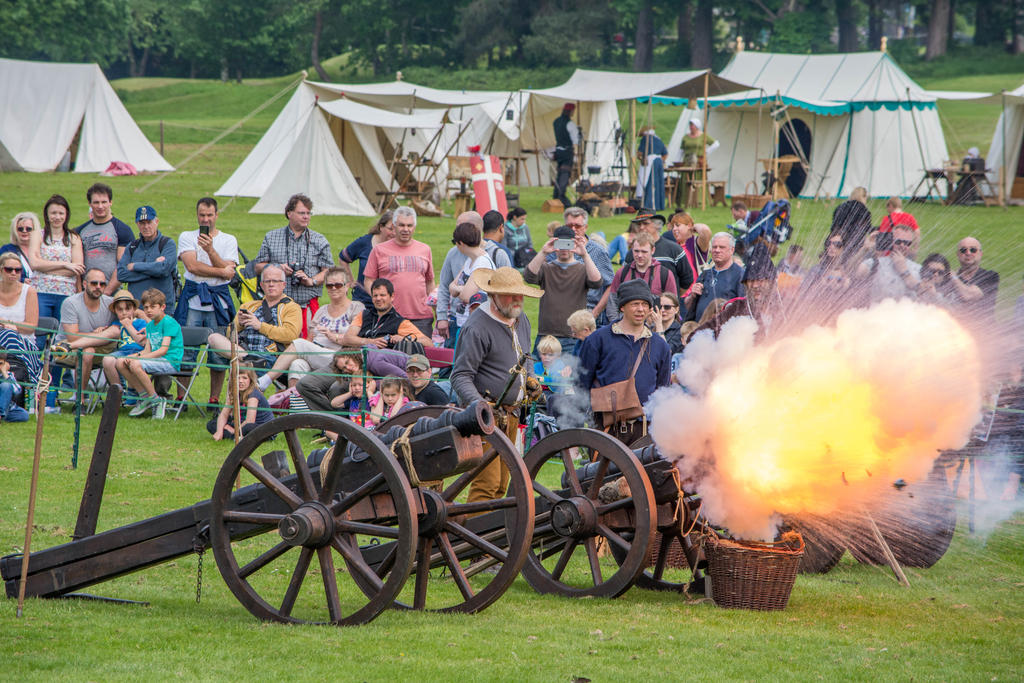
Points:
(265, 533)
(576, 517)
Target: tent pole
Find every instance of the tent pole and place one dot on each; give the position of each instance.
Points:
(757, 138)
(629, 146)
(536, 140)
(1003, 175)
(519, 145)
(437, 167)
(490, 143)
(917, 137)
(704, 156)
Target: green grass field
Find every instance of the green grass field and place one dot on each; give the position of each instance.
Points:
(961, 619)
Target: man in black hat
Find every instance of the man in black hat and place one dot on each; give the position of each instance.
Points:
(567, 136)
(610, 355)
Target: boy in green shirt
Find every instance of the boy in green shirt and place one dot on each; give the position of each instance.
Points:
(160, 356)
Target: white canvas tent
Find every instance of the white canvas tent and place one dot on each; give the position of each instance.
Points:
(1007, 141)
(45, 105)
(859, 119)
(595, 94)
(333, 142)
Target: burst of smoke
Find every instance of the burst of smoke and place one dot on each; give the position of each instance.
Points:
(821, 421)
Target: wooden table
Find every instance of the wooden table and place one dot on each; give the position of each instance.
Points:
(780, 167)
(678, 178)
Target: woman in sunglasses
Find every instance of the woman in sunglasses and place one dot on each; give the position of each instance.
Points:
(22, 227)
(668, 315)
(19, 315)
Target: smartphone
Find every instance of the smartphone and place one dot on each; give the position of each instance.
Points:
(883, 242)
(565, 244)
(204, 230)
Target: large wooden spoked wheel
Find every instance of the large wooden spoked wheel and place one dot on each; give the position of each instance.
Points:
(572, 521)
(468, 554)
(265, 555)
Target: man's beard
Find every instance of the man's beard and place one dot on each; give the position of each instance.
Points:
(512, 311)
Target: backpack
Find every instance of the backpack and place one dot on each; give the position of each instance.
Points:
(492, 252)
(161, 243)
(523, 255)
(408, 345)
(245, 283)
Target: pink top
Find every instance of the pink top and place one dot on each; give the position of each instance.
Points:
(411, 271)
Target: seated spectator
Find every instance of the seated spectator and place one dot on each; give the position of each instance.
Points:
(567, 281)
(264, 327)
(722, 281)
(388, 401)
(19, 317)
(977, 288)
(86, 326)
(329, 325)
(319, 389)
(895, 215)
(791, 263)
(252, 405)
(618, 248)
(161, 355)
(936, 285)
(349, 401)
(151, 261)
(582, 324)
(380, 328)
(551, 370)
(670, 322)
(10, 390)
(131, 335)
(743, 218)
(658, 277)
(887, 271)
(425, 390)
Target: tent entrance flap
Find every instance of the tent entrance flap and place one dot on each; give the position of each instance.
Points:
(795, 139)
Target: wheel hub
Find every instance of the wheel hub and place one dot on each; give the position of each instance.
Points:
(575, 517)
(310, 525)
(434, 513)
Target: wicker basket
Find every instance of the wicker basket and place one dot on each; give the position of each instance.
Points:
(753, 201)
(751, 575)
(675, 556)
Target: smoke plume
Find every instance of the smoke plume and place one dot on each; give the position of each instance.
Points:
(818, 422)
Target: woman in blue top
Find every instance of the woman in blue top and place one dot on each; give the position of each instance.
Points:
(360, 249)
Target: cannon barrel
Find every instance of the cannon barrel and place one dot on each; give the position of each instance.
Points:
(477, 419)
(660, 471)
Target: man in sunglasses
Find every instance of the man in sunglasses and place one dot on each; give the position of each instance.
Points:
(87, 324)
(888, 270)
(975, 286)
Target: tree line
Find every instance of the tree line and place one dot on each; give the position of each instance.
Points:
(252, 38)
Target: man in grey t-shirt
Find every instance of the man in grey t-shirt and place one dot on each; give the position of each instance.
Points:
(104, 237)
(87, 324)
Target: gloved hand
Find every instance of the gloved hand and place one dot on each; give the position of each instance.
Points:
(534, 389)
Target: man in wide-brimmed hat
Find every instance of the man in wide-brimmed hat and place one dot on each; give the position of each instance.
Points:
(493, 339)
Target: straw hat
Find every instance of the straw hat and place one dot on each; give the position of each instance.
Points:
(505, 280)
(123, 295)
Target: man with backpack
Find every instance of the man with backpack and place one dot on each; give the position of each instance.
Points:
(494, 235)
(151, 261)
(659, 277)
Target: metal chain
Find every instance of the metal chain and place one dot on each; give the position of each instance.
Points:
(199, 576)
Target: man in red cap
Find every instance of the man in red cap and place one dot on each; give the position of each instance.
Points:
(567, 136)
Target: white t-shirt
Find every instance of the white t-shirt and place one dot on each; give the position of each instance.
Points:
(224, 244)
(461, 308)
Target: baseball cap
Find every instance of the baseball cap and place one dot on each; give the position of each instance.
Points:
(418, 361)
(145, 213)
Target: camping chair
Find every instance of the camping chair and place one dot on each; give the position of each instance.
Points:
(194, 338)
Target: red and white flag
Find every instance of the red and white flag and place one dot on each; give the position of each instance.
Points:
(488, 185)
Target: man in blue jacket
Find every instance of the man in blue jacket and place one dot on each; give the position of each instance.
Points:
(151, 261)
(609, 355)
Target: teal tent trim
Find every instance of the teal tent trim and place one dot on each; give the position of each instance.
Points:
(846, 160)
(837, 109)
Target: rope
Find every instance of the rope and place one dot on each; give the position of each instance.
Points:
(224, 134)
(402, 444)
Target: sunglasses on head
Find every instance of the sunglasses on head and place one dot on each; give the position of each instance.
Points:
(12, 269)
(964, 250)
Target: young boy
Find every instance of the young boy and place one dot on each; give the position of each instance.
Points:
(552, 371)
(131, 323)
(161, 355)
(10, 411)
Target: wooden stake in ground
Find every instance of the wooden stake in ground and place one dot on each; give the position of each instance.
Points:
(233, 381)
(886, 550)
(41, 388)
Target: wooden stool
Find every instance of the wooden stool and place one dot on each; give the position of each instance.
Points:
(463, 202)
(718, 193)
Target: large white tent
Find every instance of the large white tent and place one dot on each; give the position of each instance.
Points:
(334, 141)
(595, 94)
(45, 105)
(857, 118)
(1007, 141)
